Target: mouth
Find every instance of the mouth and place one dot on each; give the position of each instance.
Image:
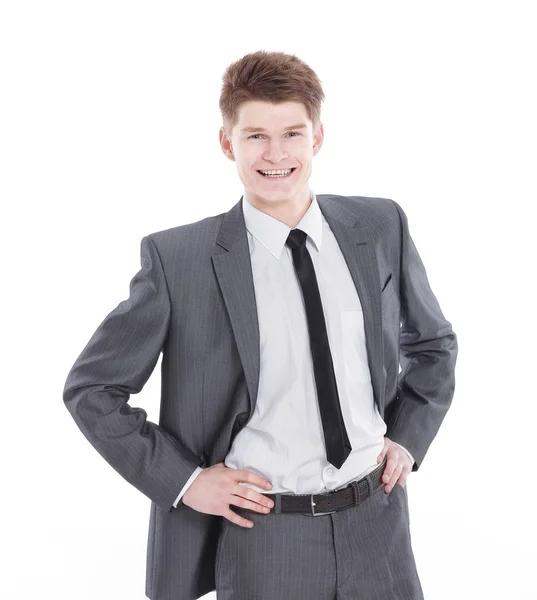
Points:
(277, 177)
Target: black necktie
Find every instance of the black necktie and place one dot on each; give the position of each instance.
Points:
(338, 446)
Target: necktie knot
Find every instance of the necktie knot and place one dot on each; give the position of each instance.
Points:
(296, 238)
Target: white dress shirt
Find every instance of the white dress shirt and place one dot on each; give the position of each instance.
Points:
(283, 441)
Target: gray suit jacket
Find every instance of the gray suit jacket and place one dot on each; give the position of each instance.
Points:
(193, 300)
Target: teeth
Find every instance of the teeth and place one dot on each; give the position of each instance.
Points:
(280, 172)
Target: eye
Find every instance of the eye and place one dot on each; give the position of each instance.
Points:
(256, 134)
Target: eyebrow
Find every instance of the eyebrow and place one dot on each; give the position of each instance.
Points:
(250, 129)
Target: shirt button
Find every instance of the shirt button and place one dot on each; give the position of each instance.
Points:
(330, 471)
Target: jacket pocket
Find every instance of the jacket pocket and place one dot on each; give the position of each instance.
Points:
(387, 292)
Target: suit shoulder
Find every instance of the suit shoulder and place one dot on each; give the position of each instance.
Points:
(374, 208)
(187, 233)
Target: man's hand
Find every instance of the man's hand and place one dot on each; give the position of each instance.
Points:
(217, 487)
(398, 466)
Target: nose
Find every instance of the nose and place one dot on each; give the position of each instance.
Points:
(275, 153)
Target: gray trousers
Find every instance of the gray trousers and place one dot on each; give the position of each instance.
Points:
(359, 553)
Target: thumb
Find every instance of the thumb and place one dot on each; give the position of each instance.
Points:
(383, 453)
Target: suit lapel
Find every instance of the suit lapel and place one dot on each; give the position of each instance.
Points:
(233, 269)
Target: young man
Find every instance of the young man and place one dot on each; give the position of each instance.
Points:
(282, 324)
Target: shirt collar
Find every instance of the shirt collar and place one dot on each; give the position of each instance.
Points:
(273, 234)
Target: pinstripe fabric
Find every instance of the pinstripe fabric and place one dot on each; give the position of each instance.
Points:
(283, 441)
(363, 552)
(193, 299)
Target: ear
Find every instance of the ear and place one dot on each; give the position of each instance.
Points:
(225, 144)
(318, 139)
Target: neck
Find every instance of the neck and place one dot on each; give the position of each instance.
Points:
(288, 210)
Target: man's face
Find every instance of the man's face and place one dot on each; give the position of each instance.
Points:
(275, 148)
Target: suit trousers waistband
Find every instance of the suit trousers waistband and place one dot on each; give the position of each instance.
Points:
(352, 494)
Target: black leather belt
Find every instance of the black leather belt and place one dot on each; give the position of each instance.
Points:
(324, 504)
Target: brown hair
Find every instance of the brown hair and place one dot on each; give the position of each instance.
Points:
(272, 77)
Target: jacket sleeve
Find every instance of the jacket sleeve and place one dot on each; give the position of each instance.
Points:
(186, 486)
(116, 362)
(428, 353)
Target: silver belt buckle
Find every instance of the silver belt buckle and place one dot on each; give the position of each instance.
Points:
(314, 514)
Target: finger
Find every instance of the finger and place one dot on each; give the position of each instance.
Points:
(394, 477)
(390, 466)
(244, 502)
(235, 518)
(249, 477)
(253, 496)
(407, 469)
(383, 453)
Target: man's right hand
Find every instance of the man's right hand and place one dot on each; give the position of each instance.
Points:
(216, 487)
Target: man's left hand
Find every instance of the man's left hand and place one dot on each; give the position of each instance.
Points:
(398, 466)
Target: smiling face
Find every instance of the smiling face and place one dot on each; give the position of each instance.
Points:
(273, 136)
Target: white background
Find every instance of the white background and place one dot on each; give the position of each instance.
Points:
(109, 131)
